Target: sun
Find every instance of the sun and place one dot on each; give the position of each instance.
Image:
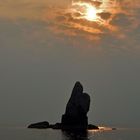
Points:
(86, 11)
(91, 13)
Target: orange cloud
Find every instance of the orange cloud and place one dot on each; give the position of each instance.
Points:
(116, 18)
(119, 22)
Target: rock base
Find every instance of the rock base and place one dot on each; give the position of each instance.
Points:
(80, 122)
(46, 125)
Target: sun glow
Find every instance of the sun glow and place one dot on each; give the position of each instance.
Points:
(85, 10)
(92, 10)
(91, 13)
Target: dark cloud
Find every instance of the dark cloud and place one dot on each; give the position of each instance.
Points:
(105, 15)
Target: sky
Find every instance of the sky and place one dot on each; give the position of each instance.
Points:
(46, 46)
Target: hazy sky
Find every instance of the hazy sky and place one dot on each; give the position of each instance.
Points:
(45, 48)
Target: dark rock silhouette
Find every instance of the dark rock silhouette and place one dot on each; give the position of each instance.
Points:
(76, 110)
(75, 118)
(91, 126)
(40, 125)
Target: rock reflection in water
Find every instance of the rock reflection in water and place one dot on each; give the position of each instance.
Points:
(76, 135)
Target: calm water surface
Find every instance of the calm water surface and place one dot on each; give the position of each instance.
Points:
(20, 133)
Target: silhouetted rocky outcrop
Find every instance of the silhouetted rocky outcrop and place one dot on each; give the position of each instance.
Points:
(77, 108)
(75, 117)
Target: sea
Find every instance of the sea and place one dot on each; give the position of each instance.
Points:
(23, 133)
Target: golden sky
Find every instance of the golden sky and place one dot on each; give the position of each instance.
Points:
(116, 18)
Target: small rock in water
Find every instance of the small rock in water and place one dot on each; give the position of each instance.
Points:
(40, 125)
(91, 126)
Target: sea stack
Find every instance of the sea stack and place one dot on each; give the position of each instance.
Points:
(75, 116)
